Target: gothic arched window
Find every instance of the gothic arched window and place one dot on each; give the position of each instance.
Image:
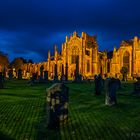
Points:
(108, 67)
(75, 53)
(126, 59)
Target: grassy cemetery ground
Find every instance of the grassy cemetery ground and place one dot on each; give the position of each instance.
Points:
(22, 114)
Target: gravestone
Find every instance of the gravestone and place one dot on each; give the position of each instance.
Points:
(98, 84)
(1, 81)
(137, 87)
(19, 74)
(33, 79)
(77, 76)
(35, 76)
(66, 72)
(4, 73)
(62, 74)
(10, 74)
(41, 72)
(55, 73)
(57, 105)
(111, 86)
(46, 75)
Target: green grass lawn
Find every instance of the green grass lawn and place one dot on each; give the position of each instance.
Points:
(22, 114)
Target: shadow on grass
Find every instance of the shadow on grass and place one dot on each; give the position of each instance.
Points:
(18, 95)
(53, 135)
(5, 137)
(43, 133)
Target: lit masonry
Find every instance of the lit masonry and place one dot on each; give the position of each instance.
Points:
(91, 61)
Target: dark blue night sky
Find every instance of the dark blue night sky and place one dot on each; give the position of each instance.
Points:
(29, 28)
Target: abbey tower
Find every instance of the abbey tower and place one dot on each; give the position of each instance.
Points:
(90, 60)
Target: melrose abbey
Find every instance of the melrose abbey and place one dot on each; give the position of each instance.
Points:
(83, 50)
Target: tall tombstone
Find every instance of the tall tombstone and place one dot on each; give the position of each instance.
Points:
(4, 73)
(10, 74)
(19, 74)
(46, 75)
(62, 74)
(32, 79)
(77, 76)
(41, 72)
(57, 105)
(55, 73)
(1, 81)
(99, 84)
(66, 72)
(111, 85)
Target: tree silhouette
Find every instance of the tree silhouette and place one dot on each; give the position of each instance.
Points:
(17, 63)
(30, 61)
(4, 61)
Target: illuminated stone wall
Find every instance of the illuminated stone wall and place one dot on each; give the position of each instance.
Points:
(91, 61)
(86, 48)
(127, 55)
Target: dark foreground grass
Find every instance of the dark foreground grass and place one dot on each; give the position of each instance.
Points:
(22, 114)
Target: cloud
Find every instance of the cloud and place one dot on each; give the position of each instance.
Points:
(31, 27)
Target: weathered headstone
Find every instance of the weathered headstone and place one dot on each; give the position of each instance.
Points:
(46, 75)
(137, 87)
(41, 72)
(32, 79)
(111, 86)
(57, 105)
(62, 74)
(77, 75)
(19, 74)
(98, 84)
(10, 74)
(66, 72)
(55, 73)
(4, 73)
(1, 81)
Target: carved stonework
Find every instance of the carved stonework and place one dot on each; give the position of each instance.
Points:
(91, 61)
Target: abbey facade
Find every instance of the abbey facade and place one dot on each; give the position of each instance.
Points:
(84, 50)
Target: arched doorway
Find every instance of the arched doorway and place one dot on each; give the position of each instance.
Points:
(126, 59)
